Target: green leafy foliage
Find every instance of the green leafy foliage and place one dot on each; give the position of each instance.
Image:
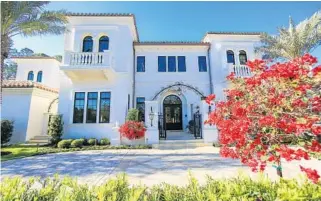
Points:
(55, 128)
(77, 143)
(64, 144)
(133, 115)
(6, 131)
(104, 141)
(119, 189)
(92, 141)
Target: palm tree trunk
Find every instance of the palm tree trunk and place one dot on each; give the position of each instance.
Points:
(5, 46)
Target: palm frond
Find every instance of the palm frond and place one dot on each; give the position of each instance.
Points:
(293, 41)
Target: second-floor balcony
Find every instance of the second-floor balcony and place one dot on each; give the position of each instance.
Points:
(87, 59)
(240, 70)
(81, 65)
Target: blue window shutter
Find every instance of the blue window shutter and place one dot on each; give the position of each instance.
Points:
(181, 64)
(171, 64)
(140, 64)
(161, 64)
(202, 66)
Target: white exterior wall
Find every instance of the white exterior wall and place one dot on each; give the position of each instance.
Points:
(26, 107)
(219, 46)
(117, 79)
(15, 107)
(40, 101)
(151, 81)
(48, 66)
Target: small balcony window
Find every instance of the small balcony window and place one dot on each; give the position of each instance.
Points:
(230, 57)
(242, 57)
(103, 43)
(87, 44)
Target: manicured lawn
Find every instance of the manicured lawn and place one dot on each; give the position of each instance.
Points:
(21, 151)
(18, 152)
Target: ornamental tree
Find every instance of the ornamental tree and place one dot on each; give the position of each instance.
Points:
(278, 106)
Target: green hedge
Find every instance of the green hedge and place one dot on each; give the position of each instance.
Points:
(241, 188)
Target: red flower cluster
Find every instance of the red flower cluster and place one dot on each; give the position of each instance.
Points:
(311, 174)
(278, 104)
(132, 130)
(209, 99)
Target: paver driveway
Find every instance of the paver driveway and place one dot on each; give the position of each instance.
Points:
(142, 166)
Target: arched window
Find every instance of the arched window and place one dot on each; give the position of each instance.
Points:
(39, 76)
(30, 76)
(230, 57)
(87, 45)
(103, 43)
(242, 57)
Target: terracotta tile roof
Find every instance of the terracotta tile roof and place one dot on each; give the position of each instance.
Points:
(233, 33)
(26, 84)
(196, 43)
(101, 14)
(32, 57)
(106, 15)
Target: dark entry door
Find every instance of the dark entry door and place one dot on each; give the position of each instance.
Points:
(173, 113)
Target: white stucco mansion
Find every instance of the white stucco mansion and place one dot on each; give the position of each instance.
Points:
(106, 70)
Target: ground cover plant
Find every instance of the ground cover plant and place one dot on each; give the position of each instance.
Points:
(119, 189)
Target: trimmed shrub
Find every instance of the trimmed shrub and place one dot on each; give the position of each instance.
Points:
(133, 115)
(64, 144)
(104, 141)
(55, 128)
(6, 131)
(85, 141)
(77, 143)
(92, 141)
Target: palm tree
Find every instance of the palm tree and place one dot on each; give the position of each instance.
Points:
(27, 19)
(294, 41)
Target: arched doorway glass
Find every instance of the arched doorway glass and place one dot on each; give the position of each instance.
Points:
(172, 106)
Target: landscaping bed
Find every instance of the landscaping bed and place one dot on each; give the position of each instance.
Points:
(240, 188)
(21, 151)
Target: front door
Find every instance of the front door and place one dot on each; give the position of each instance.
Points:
(173, 113)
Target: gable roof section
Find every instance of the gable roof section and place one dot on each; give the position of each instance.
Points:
(106, 15)
(26, 84)
(187, 43)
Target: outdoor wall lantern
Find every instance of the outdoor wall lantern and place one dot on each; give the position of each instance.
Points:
(151, 116)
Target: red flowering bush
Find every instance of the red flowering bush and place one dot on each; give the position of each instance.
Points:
(132, 130)
(279, 102)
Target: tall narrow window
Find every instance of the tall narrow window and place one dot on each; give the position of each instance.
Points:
(161, 64)
(242, 57)
(79, 105)
(140, 105)
(87, 45)
(103, 43)
(39, 76)
(140, 64)
(91, 107)
(104, 107)
(230, 57)
(181, 64)
(202, 64)
(30, 76)
(171, 64)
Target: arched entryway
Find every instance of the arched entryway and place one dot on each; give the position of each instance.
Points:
(172, 106)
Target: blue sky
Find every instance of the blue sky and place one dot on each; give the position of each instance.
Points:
(183, 21)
